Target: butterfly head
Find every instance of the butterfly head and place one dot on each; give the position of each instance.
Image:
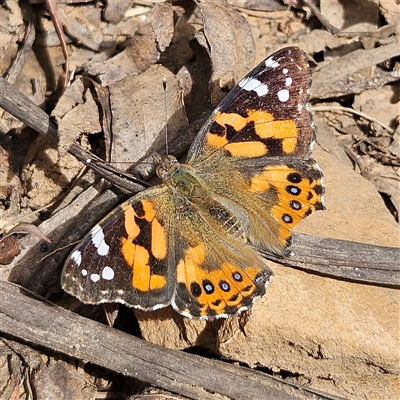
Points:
(166, 166)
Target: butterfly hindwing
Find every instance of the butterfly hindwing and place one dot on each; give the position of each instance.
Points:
(168, 252)
(217, 273)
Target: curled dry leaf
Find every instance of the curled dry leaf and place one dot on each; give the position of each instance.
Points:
(24, 227)
(9, 248)
(259, 5)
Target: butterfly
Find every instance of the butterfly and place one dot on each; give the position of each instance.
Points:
(192, 241)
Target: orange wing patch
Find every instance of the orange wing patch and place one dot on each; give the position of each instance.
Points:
(265, 127)
(247, 149)
(138, 257)
(238, 122)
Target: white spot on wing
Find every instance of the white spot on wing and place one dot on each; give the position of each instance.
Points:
(283, 95)
(95, 277)
(76, 257)
(285, 71)
(98, 241)
(252, 84)
(289, 81)
(84, 272)
(271, 63)
(107, 273)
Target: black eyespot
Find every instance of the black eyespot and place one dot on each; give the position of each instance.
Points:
(294, 177)
(195, 289)
(293, 190)
(259, 278)
(295, 205)
(224, 286)
(237, 277)
(287, 218)
(208, 286)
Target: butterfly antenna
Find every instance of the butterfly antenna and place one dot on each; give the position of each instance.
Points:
(165, 114)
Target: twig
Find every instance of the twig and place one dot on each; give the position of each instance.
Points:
(19, 61)
(342, 259)
(314, 9)
(23, 108)
(352, 111)
(55, 17)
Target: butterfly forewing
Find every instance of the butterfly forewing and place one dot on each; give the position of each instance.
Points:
(265, 114)
(126, 257)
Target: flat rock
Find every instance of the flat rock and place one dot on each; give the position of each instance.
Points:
(336, 336)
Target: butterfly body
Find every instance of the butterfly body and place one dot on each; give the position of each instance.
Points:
(192, 241)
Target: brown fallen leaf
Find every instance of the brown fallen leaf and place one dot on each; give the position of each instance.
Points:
(162, 22)
(115, 10)
(9, 248)
(139, 55)
(230, 44)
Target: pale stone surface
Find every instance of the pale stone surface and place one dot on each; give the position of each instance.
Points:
(339, 337)
(332, 335)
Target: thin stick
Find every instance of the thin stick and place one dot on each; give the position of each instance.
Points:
(350, 110)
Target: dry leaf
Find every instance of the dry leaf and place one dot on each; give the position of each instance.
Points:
(230, 44)
(162, 21)
(139, 55)
(259, 5)
(115, 10)
(138, 122)
(9, 248)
